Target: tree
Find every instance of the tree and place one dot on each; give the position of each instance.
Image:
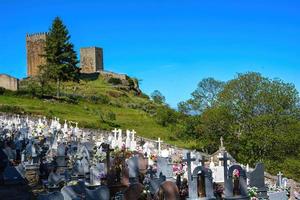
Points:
(205, 96)
(158, 97)
(265, 116)
(61, 59)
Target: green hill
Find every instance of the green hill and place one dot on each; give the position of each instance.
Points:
(94, 104)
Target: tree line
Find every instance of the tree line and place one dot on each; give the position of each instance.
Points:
(258, 117)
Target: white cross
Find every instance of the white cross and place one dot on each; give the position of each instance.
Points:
(115, 131)
(133, 133)
(159, 147)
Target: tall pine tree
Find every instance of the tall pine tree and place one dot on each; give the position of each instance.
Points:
(61, 59)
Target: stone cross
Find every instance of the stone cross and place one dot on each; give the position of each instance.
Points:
(132, 135)
(120, 140)
(159, 146)
(127, 141)
(115, 131)
(189, 160)
(225, 159)
(279, 179)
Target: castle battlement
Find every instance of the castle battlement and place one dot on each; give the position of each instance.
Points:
(36, 36)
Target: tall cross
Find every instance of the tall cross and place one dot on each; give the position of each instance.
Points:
(159, 145)
(201, 160)
(115, 131)
(189, 160)
(107, 149)
(279, 179)
(225, 159)
(133, 133)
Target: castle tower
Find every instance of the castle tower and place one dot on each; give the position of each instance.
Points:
(91, 59)
(35, 44)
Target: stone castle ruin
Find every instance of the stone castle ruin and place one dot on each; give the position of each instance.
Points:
(35, 44)
(91, 62)
(91, 58)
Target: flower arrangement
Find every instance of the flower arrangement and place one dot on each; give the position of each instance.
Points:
(177, 158)
(252, 192)
(236, 174)
(99, 156)
(153, 157)
(72, 183)
(178, 169)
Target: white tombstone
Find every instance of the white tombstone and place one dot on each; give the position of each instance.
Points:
(146, 148)
(133, 142)
(159, 146)
(211, 164)
(120, 140)
(65, 129)
(165, 153)
(127, 141)
(114, 139)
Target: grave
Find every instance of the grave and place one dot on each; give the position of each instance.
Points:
(235, 187)
(257, 179)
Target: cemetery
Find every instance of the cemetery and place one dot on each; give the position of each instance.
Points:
(56, 159)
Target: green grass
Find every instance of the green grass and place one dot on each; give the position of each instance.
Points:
(87, 113)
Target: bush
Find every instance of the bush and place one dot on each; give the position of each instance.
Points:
(99, 99)
(166, 116)
(2, 90)
(115, 81)
(111, 116)
(11, 109)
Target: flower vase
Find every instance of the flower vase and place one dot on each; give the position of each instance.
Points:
(236, 187)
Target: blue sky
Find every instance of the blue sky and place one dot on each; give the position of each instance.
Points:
(169, 44)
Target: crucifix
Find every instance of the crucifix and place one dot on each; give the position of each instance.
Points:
(225, 159)
(106, 148)
(115, 131)
(159, 146)
(279, 179)
(200, 158)
(132, 135)
(188, 160)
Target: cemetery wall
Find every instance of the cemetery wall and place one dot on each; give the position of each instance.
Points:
(9, 82)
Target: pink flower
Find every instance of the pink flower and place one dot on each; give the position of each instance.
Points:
(236, 173)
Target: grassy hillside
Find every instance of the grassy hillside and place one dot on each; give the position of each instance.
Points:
(97, 105)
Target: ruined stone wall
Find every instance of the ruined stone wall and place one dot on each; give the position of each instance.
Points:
(35, 44)
(9, 82)
(91, 59)
(107, 74)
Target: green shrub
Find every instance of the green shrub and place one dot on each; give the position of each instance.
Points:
(2, 90)
(99, 99)
(115, 81)
(111, 116)
(11, 109)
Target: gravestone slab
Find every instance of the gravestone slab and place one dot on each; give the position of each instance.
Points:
(257, 179)
(165, 167)
(278, 195)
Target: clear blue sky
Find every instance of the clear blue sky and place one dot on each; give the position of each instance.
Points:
(169, 44)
